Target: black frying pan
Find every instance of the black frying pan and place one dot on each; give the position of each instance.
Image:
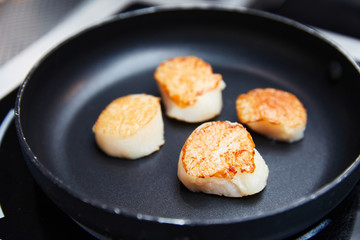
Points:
(63, 95)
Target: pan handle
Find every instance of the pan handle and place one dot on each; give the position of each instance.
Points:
(350, 44)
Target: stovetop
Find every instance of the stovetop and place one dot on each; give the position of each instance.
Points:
(27, 213)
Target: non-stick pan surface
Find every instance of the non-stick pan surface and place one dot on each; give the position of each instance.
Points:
(64, 94)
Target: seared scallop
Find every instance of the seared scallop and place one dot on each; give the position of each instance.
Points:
(191, 92)
(220, 158)
(274, 113)
(130, 127)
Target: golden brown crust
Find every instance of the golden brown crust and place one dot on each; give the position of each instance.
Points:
(186, 78)
(124, 116)
(272, 105)
(218, 149)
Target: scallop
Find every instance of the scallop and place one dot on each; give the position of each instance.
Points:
(274, 113)
(130, 127)
(191, 92)
(220, 158)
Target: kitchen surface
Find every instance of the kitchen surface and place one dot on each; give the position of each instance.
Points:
(31, 28)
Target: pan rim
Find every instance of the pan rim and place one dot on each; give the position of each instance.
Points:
(121, 210)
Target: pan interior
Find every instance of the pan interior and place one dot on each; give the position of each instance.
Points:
(67, 91)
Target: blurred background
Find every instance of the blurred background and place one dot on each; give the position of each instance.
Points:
(22, 22)
(30, 28)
